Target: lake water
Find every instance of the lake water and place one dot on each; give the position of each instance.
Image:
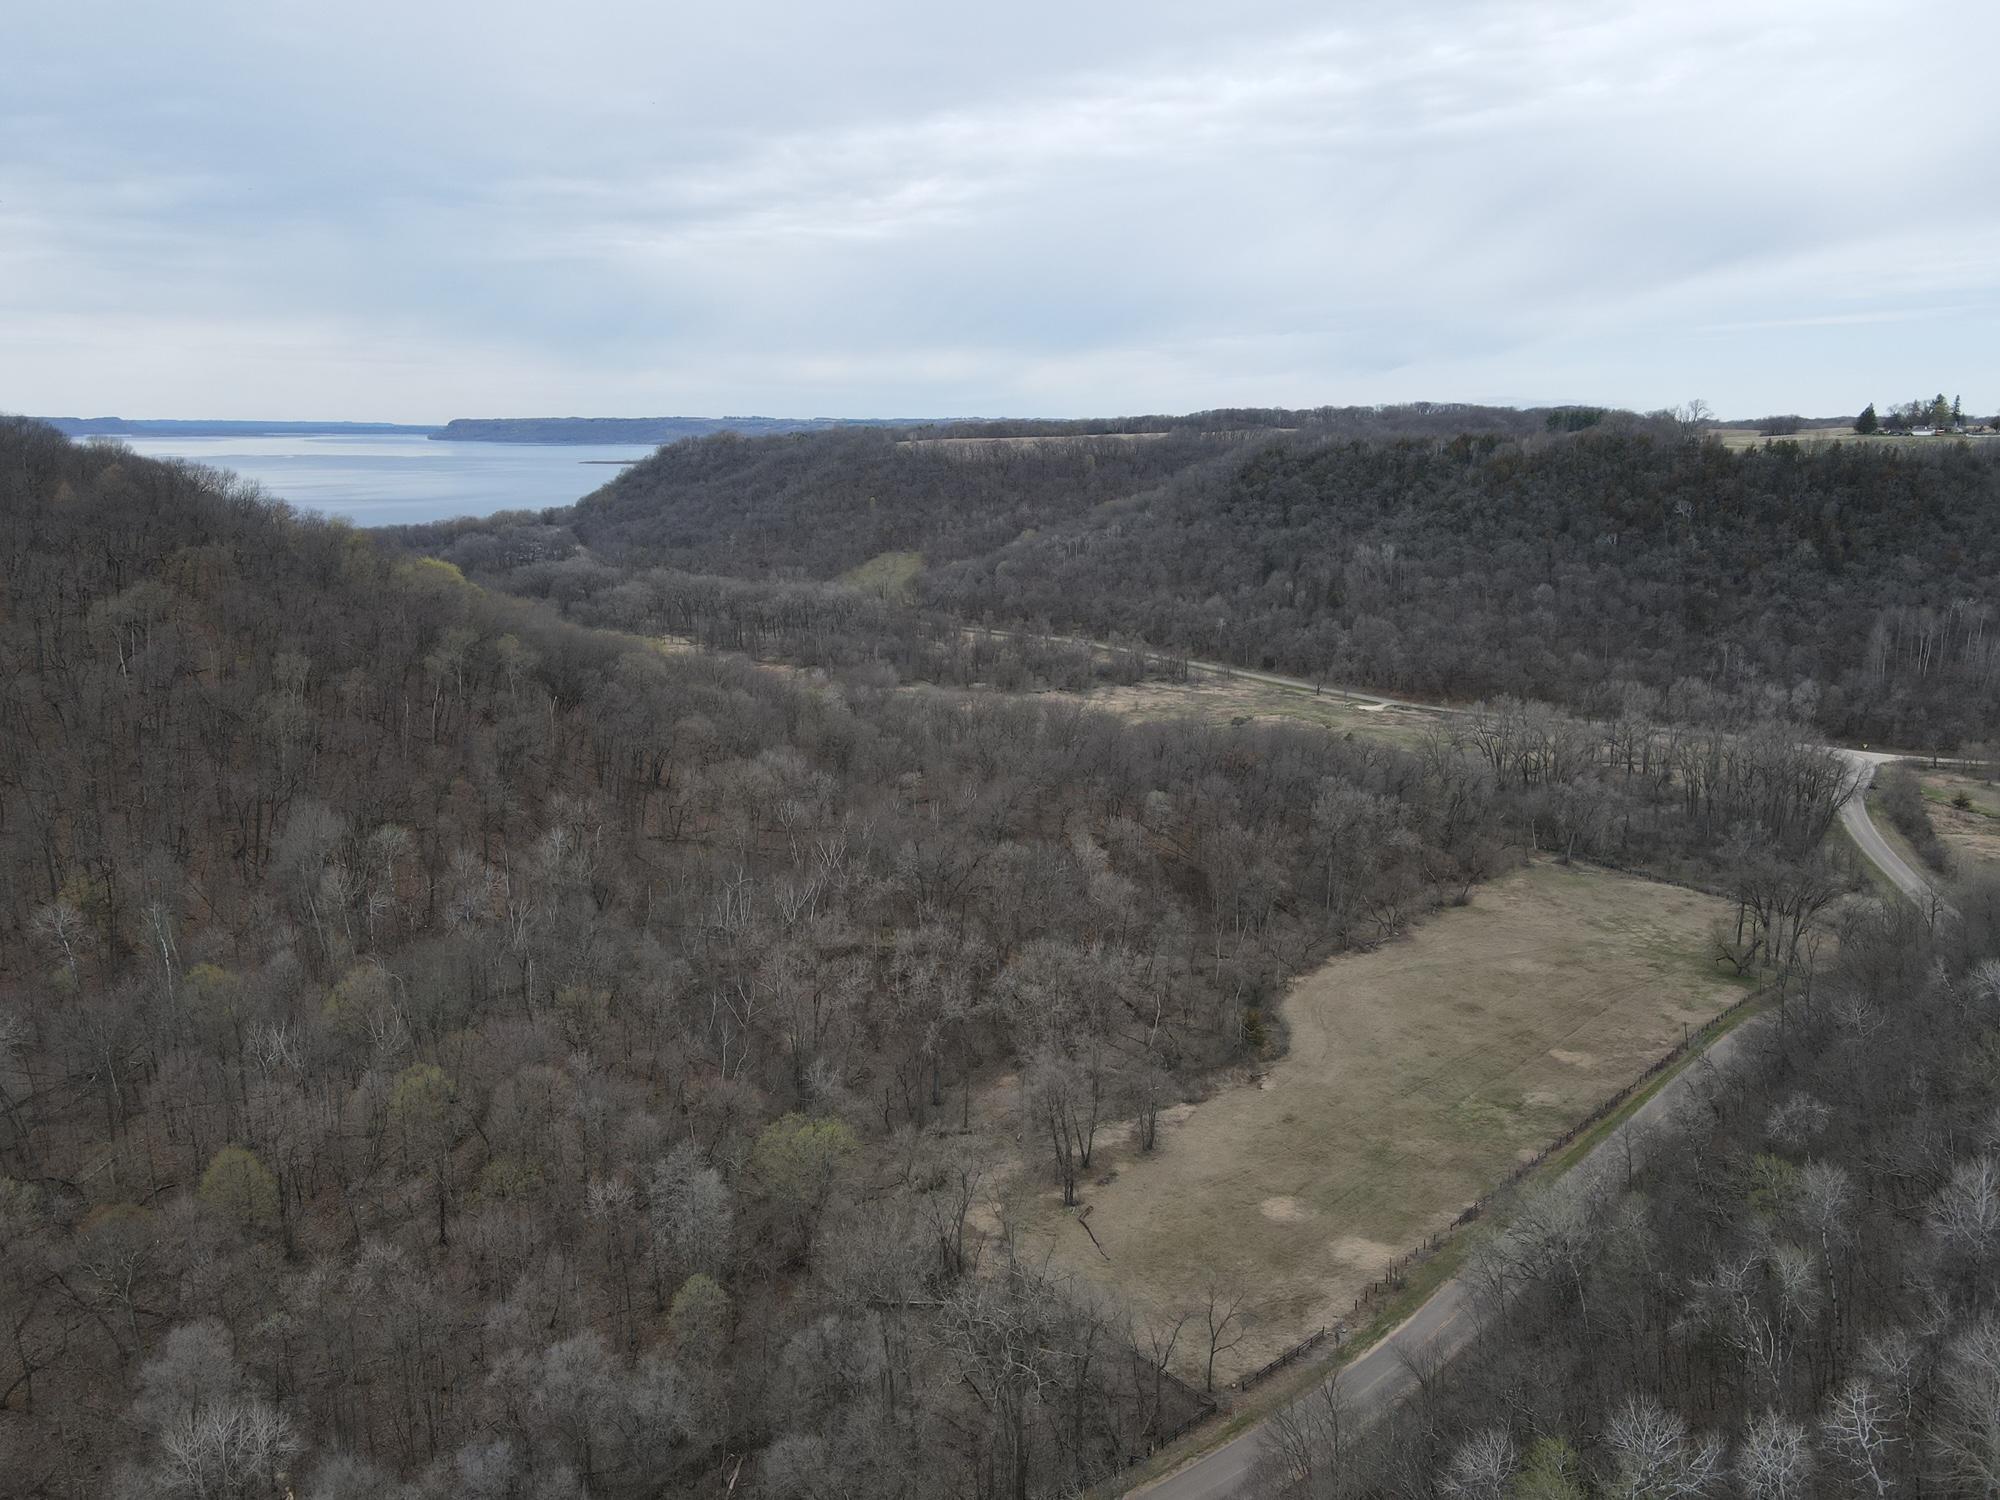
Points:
(393, 479)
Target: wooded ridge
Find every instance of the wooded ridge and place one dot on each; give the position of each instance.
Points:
(451, 1048)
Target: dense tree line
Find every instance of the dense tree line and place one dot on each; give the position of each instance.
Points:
(815, 505)
(1397, 419)
(826, 626)
(1933, 412)
(1789, 1293)
(1903, 804)
(1855, 583)
(812, 505)
(448, 1050)
(1851, 584)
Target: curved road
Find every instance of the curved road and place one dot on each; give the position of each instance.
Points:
(1446, 1322)
(1861, 828)
(1375, 1381)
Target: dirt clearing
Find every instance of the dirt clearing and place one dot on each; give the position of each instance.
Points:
(1417, 1076)
(1216, 699)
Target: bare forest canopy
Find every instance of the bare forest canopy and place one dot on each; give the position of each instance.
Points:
(1851, 585)
(446, 1049)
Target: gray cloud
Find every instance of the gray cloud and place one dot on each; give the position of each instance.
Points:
(272, 209)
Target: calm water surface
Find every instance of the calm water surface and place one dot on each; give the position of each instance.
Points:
(394, 479)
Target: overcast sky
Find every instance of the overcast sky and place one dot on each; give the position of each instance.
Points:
(423, 210)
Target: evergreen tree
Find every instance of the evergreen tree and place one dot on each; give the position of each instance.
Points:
(1867, 421)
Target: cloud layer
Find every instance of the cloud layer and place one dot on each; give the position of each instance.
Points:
(274, 209)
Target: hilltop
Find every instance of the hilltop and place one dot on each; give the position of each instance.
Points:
(628, 429)
(1439, 553)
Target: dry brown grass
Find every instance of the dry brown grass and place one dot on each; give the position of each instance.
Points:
(1416, 1077)
(1215, 699)
(1971, 833)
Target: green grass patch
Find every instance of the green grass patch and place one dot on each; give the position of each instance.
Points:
(892, 575)
(1975, 803)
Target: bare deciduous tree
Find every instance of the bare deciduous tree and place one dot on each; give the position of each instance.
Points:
(1855, 1429)
(1776, 1460)
(1221, 1315)
(1311, 1447)
(1655, 1458)
(1481, 1467)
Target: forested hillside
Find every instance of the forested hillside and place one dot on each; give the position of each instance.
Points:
(815, 505)
(1858, 583)
(1790, 1293)
(445, 1047)
(1853, 585)
(448, 1050)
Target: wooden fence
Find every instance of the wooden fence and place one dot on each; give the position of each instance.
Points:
(1397, 1276)
(1292, 1355)
(1181, 1428)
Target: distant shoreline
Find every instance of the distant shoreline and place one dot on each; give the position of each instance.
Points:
(154, 427)
(650, 432)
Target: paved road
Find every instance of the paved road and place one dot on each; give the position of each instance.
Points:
(1854, 815)
(1446, 1322)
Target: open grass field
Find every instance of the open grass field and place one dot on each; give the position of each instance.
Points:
(1215, 699)
(893, 575)
(1416, 1077)
(1972, 833)
(1750, 437)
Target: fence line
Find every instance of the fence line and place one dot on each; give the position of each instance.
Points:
(1694, 1042)
(1187, 1424)
(1297, 1352)
(1397, 1275)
